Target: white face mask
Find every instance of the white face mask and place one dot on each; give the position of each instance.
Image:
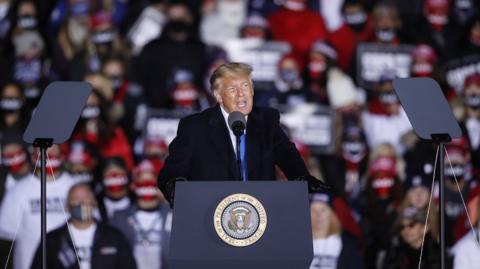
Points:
(4, 9)
(437, 19)
(232, 12)
(385, 35)
(294, 5)
(356, 18)
(422, 68)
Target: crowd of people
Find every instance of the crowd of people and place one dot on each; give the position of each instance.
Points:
(146, 55)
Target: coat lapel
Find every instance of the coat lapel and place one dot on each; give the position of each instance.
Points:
(220, 138)
(254, 144)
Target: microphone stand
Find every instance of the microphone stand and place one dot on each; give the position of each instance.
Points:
(239, 158)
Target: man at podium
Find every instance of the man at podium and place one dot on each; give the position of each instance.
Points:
(204, 148)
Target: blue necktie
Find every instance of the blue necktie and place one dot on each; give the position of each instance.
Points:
(243, 156)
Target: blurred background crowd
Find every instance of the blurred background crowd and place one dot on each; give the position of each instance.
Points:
(327, 64)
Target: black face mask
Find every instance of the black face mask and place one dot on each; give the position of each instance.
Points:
(27, 22)
(11, 105)
(472, 101)
(179, 26)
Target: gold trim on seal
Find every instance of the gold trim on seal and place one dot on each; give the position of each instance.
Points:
(240, 220)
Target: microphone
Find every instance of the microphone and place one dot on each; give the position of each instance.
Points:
(237, 122)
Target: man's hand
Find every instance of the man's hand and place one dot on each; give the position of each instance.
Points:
(170, 188)
(314, 184)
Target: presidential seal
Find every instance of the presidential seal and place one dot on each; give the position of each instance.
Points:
(240, 220)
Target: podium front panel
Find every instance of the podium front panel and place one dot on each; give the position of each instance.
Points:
(285, 243)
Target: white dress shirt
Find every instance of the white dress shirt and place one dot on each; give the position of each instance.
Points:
(232, 136)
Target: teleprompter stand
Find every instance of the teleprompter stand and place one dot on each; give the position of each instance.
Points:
(431, 118)
(52, 122)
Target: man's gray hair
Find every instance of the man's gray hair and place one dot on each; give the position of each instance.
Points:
(228, 69)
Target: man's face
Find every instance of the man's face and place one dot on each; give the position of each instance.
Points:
(235, 93)
(82, 195)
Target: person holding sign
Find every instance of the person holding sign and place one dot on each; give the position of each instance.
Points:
(205, 146)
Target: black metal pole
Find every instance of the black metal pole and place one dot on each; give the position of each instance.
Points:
(442, 204)
(239, 158)
(43, 197)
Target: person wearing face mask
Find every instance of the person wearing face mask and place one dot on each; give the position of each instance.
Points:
(103, 40)
(352, 159)
(16, 161)
(327, 84)
(30, 58)
(72, 37)
(356, 27)
(255, 27)
(178, 47)
(30, 64)
(459, 157)
(96, 125)
(385, 121)
(20, 209)
(128, 95)
(386, 23)
(379, 199)
(387, 30)
(26, 16)
(424, 60)
(298, 26)
(147, 223)
(436, 28)
(358, 19)
(186, 95)
(471, 122)
(115, 194)
(82, 161)
(95, 244)
(13, 111)
(320, 61)
(224, 23)
(14, 168)
(289, 85)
